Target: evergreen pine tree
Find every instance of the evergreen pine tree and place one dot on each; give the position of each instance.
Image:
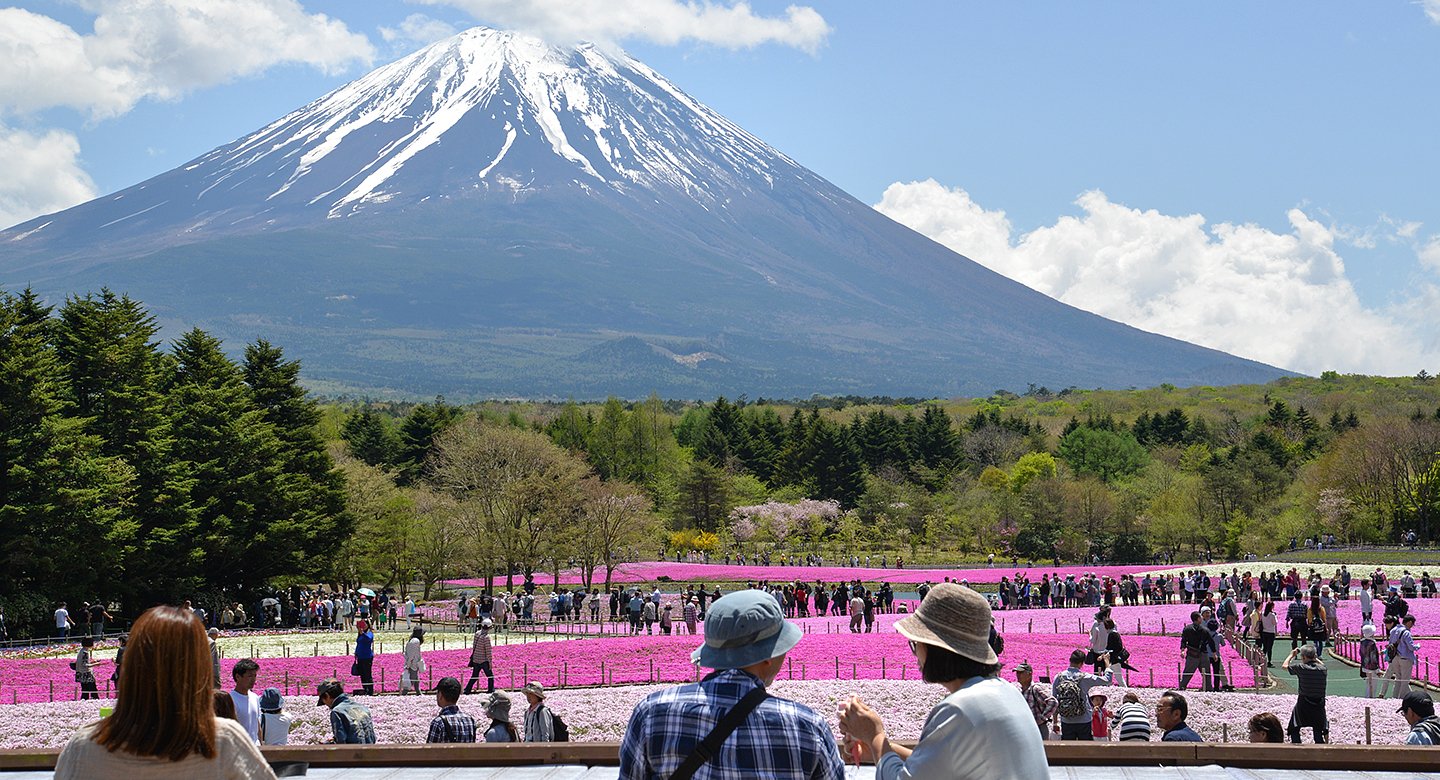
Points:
(236, 463)
(369, 438)
(836, 470)
(417, 436)
(307, 511)
(61, 499)
(115, 375)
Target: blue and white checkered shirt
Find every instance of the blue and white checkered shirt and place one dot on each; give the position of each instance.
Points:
(781, 739)
(451, 725)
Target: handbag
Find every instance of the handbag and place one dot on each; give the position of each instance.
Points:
(355, 669)
(708, 746)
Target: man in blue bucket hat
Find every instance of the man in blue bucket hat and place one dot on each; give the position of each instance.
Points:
(727, 725)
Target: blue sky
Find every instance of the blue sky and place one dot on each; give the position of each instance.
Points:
(1258, 177)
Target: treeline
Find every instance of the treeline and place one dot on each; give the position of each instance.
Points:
(1190, 483)
(137, 474)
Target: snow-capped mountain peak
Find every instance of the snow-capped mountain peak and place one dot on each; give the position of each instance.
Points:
(524, 106)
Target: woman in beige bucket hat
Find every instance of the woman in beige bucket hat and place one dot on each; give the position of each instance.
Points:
(981, 729)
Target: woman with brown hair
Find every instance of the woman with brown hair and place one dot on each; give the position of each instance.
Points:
(164, 724)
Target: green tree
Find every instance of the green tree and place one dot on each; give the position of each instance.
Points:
(418, 434)
(1108, 454)
(60, 497)
(835, 469)
(307, 507)
(370, 438)
(234, 461)
(515, 485)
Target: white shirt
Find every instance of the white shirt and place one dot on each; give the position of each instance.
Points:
(247, 711)
(277, 728)
(983, 731)
(62, 618)
(1366, 600)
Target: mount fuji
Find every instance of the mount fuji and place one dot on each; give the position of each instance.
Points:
(494, 216)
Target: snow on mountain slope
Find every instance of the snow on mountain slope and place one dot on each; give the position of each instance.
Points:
(615, 121)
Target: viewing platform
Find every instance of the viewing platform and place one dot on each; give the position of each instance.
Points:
(598, 761)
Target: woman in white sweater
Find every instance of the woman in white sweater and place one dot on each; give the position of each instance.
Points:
(164, 724)
(414, 662)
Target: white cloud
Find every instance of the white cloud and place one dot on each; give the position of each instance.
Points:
(42, 174)
(1432, 9)
(160, 49)
(418, 30)
(666, 22)
(1281, 298)
(1430, 253)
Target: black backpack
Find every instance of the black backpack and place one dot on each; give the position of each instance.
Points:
(560, 732)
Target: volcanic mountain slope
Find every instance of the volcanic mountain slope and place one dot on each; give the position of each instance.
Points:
(493, 216)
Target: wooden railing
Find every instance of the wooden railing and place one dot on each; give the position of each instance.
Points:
(1117, 754)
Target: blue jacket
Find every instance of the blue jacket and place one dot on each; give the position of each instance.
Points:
(365, 645)
(351, 722)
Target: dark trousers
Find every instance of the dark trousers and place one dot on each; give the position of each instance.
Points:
(365, 667)
(1267, 643)
(88, 689)
(1076, 732)
(475, 670)
(1311, 715)
(1297, 636)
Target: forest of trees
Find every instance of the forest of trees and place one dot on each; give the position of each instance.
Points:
(911, 476)
(137, 472)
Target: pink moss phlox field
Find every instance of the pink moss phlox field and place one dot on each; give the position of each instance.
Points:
(828, 651)
(601, 714)
(651, 571)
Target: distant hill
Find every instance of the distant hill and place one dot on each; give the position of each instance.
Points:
(494, 217)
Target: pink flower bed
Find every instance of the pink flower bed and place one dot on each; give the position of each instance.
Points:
(828, 651)
(601, 714)
(711, 572)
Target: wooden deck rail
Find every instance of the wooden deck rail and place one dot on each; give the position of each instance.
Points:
(1333, 757)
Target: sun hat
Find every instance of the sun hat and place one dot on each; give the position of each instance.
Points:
(953, 617)
(535, 688)
(486, 623)
(271, 700)
(498, 707)
(744, 628)
(1024, 666)
(1367, 630)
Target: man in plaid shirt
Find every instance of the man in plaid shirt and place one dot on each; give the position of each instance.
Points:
(451, 725)
(1043, 705)
(746, 640)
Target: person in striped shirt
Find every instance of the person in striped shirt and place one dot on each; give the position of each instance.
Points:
(1132, 723)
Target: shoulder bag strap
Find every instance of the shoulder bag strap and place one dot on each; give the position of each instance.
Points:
(710, 745)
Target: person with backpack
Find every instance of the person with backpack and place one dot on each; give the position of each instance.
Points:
(1369, 659)
(747, 639)
(1072, 692)
(541, 723)
(451, 725)
(1295, 619)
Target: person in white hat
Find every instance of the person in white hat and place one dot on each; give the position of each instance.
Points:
(982, 729)
(1369, 659)
(743, 730)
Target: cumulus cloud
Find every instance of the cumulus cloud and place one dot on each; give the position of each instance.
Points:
(666, 22)
(419, 30)
(42, 174)
(1281, 298)
(160, 49)
(1430, 254)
